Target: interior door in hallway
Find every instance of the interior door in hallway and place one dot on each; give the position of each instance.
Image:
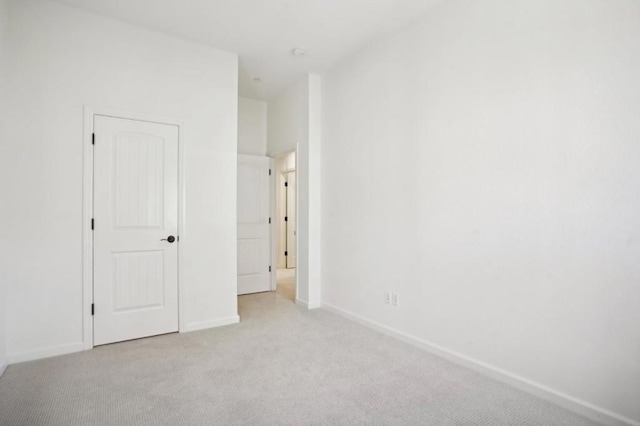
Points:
(253, 225)
(291, 220)
(135, 229)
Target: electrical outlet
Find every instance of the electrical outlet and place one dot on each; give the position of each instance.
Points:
(391, 298)
(395, 299)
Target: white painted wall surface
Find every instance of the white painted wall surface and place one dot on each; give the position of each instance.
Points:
(62, 59)
(4, 243)
(484, 165)
(288, 118)
(252, 127)
(314, 191)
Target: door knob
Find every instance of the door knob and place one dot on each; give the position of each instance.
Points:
(170, 238)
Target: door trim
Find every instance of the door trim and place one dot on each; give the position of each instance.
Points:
(286, 213)
(87, 210)
(275, 235)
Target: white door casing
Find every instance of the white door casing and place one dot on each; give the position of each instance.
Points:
(285, 163)
(281, 212)
(291, 219)
(135, 210)
(254, 255)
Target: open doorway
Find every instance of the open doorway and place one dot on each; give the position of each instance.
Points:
(286, 225)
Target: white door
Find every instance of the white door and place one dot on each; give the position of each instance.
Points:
(135, 229)
(253, 225)
(291, 220)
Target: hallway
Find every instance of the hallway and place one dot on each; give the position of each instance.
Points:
(286, 283)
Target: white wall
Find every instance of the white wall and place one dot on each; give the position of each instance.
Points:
(252, 127)
(310, 179)
(4, 20)
(62, 59)
(484, 165)
(293, 123)
(288, 118)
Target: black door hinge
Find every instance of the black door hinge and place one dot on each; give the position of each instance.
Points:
(269, 220)
(286, 184)
(269, 268)
(286, 253)
(92, 224)
(269, 172)
(93, 139)
(93, 309)
(286, 219)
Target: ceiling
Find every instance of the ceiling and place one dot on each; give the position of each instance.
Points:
(263, 32)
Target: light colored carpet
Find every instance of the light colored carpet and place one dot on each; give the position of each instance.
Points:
(280, 365)
(286, 283)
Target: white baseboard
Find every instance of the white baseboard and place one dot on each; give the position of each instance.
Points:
(308, 305)
(576, 405)
(45, 352)
(80, 346)
(194, 326)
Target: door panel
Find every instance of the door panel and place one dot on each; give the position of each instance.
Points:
(135, 208)
(253, 225)
(139, 185)
(138, 280)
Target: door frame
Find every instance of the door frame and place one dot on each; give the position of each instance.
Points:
(87, 209)
(286, 213)
(275, 235)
